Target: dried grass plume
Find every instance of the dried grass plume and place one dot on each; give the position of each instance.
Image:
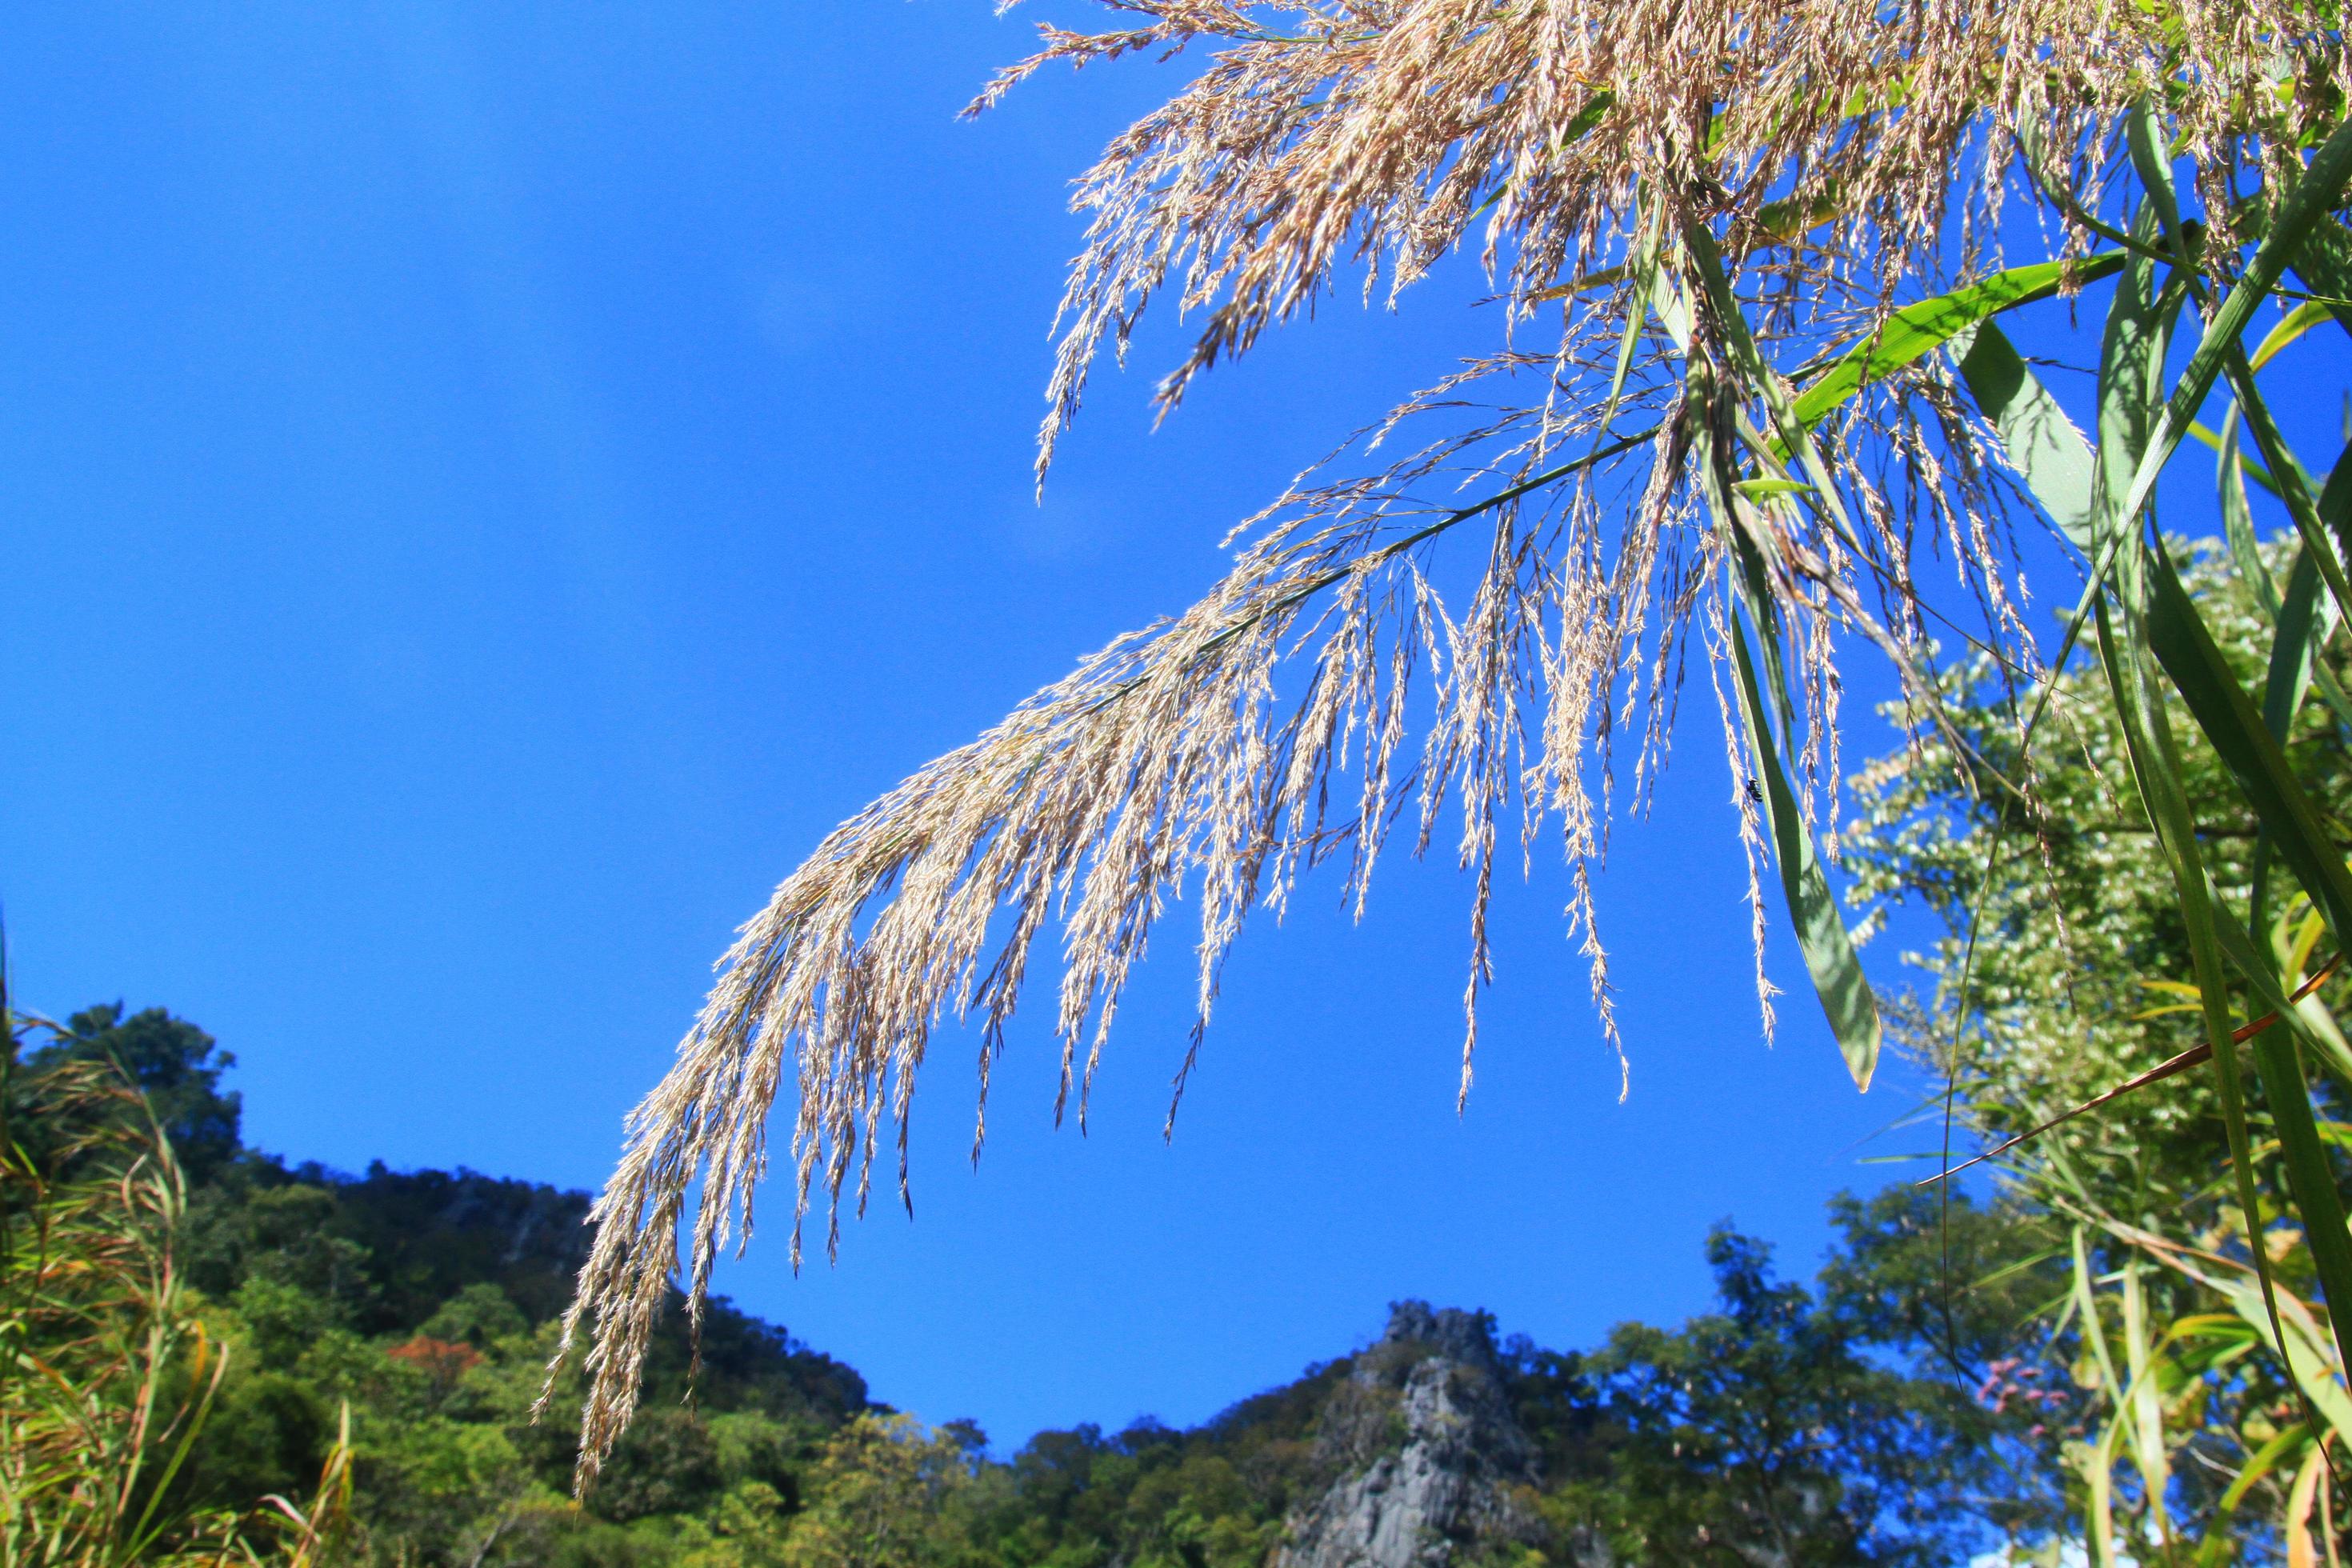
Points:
(1844, 156)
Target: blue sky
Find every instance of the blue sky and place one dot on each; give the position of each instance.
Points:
(486, 487)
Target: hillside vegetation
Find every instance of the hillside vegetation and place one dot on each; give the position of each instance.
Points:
(1789, 1427)
(2086, 1367)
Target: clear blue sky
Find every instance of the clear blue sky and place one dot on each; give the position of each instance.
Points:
(486, 485)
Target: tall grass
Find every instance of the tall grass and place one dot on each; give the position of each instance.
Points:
(1754, 407)
(106, 1372)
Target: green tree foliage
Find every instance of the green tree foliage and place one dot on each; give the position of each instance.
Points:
(1791, 1427)
(883, 1492)
(2181, 1429)
(2080, 953)
(1827, 1426)
(175, 1068)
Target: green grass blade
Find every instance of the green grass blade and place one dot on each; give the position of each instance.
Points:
(1821, 936)
(2299, 320)
(150, 1528)
(1644, 270)
(2262, 973)
(2287, 480)
(2297, 216)
(1916, 331)
(2055, 460)
(2178, 639)
(2144, 1410)
(1790, 436)
(2057, 463)
(2324, 263)
(2237, 521)
(2301, 631)
(1828, 948)
(2266, 1459)
(2305, 620)
(2136, 421)
(1793, 438)
(2183, 645)
(2093, 1325)
(2294, 1343)
(2156, 772)
(2048, 452)
(2311, 1180)
(2303, 625)
(2133, 344)
(2151, 158)
(2246, 465)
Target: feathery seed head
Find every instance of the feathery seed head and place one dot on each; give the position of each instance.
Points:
(1843, 155)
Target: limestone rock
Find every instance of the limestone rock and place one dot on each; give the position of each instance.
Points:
(1426, 1454)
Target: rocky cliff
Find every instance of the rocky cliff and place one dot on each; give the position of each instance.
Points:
(1427, 1459)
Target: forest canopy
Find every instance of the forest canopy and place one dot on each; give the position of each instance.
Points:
(426, 1305)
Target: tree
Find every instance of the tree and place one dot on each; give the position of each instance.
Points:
(174, 1066)
(1778, 1430)
(2057, 976)
(880, 1497)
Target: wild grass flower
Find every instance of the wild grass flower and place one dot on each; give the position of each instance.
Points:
(1694, 214)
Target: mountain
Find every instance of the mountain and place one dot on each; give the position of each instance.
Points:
(1779, 1430)
(1430, 1455)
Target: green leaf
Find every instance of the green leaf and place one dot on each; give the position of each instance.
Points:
(1829, 958)
(1792, 439)
(1760, 488)
(2151, 156)
(2177, 636)
(2287, 477)
(2048, 452)
(2297, 217)
(2296, 1342)
(2237, 521)
(2156, 772)
(2221, 1543)
(2310, 1178)
(2086, 1308)
(2246, 465)
(1599, 104)
(1643, 264)
(2055, 460)
(1790, 219)
(2301, 628)
(1828, 948)
(2133, 344)
(2307, 618)
(2324, 262)
(2299, 320)
(2060, 469)
(1791, 431)
(2131, 437)
(1919, 330)
(2179, 639)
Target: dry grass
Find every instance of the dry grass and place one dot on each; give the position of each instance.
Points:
(1847, 156)
(106, 1372)
(1390, 135)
